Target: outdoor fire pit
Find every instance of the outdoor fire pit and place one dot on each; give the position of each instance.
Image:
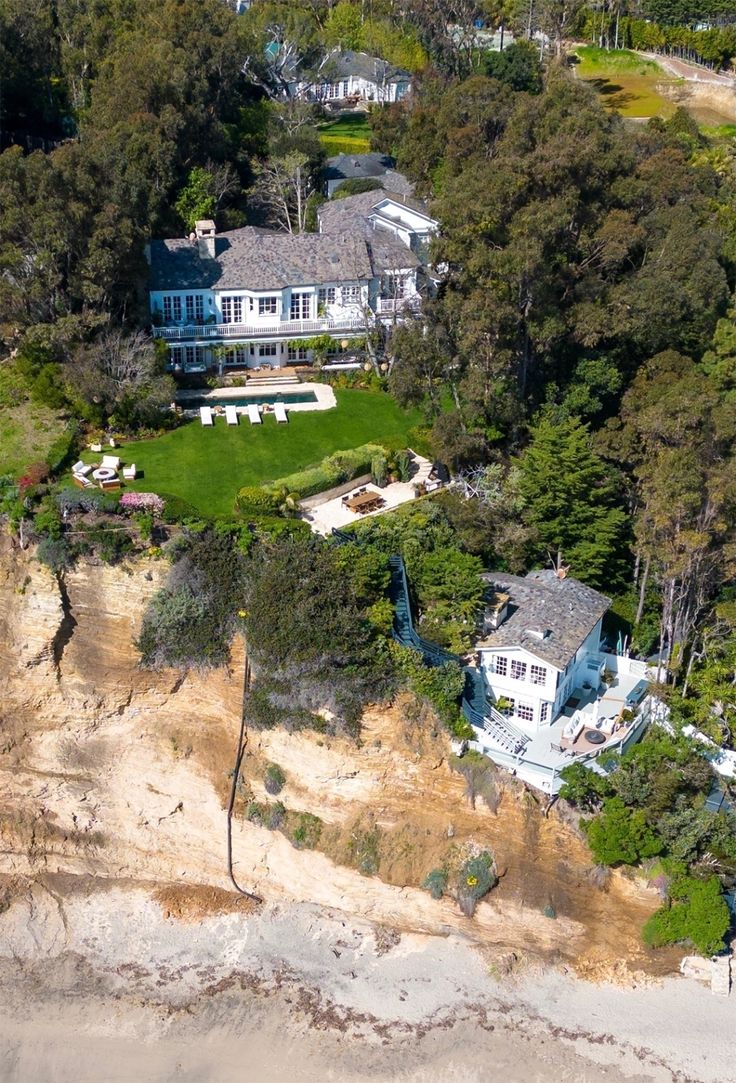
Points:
(595, 737)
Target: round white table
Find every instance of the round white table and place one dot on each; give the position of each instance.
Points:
(104, 473)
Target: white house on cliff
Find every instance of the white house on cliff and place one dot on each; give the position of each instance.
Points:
(553, 691)
(253, 296)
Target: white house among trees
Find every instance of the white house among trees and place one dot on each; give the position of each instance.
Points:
(251, 297)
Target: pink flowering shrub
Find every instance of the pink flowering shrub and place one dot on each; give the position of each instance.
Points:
(142, 502)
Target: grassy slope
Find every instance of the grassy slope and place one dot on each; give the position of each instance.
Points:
(206, 467)
(349, 134)
(626, 81)
(27, 431)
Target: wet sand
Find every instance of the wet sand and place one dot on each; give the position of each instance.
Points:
(104, 987)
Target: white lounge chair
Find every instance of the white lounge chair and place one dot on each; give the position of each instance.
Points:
(82, 469)
(231, 415)
(254, 414)
(110, 462)
(279, 411)
(129, 472)
(205, 414)
(82, 482)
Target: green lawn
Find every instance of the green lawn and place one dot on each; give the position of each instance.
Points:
(349, 134)
(626, 82)
(206, 467)
(27, 431)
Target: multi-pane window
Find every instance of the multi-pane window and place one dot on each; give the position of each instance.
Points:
(500, 665)
(175, 356)
(394, 286)
(238, 356)
(518, 669)
(507, 706)
(172, 309)
(543, 712)
(232, 310)
(300, 306)
(351, 295)
(525, 711)
(327, 295)
(268, 306)
(194, 306)
(297, 353)
(268, 349)
(190, 355)
(538, 674)
(167, 310)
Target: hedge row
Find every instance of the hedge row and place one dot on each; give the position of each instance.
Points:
(332, 471)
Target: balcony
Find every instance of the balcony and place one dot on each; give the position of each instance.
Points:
(389, 306)
(262, 329)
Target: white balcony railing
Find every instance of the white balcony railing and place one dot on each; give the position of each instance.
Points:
(262, 329)
(387, 306)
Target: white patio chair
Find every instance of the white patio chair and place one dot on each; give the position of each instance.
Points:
(231, 415)
(82, 469)
(279, 412)
(254, 414)
(129, 472)
(205, 415)
(110, 462)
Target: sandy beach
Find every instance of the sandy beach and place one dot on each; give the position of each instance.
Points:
(102, 985)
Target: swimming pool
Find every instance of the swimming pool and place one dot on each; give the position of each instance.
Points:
(194, 403)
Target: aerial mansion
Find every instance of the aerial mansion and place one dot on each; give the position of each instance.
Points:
(252, 296)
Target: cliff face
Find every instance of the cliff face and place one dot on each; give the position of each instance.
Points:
(111, 772)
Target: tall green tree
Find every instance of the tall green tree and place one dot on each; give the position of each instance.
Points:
(570, 502)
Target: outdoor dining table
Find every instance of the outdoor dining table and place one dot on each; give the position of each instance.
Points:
(104, 473)
(362, 502)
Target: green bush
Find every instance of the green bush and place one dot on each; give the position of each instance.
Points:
(177, 510)
(108, 542)
(379, 470)
(274, 779)
(475, 879)
(365, 847)
(55, 553)
(306, 831)
(403, 465)
(621, 835)
(334, 470)
(695, 913)
(256, 501)
(60, 452)
(435, 882)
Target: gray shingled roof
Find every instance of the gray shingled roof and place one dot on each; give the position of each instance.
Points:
(341, 65)
(349, 166)
(564, 608)
(342, 215)
(260, 259)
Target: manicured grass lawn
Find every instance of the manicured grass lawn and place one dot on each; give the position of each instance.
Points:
(206, 467)
(27, 431)
(349, 134)
(627, 82)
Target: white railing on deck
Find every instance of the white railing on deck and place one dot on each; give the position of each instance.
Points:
(259, 330)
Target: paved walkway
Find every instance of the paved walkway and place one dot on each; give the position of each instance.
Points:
(333, 515)
(693, 73)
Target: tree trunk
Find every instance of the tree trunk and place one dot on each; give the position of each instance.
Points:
(642, 591)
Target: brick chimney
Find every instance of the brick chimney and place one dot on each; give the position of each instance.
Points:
(205, 233)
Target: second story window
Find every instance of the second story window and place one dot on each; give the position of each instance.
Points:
(172, 309)
(538, 674)
(518, 669)
(232, 310)
(327, 295)
(268, 306)
(351, 295)
(500, 665)
(194, 306)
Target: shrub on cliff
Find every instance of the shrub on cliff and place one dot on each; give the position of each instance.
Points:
(191, 621)
(476, 878)
(695, 913)
(274, 779)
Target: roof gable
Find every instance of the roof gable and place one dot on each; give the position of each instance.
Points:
(547, 616)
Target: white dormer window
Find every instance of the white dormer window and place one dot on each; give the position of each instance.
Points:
(518, 669)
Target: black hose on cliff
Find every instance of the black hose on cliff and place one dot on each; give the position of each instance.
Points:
(242, 742)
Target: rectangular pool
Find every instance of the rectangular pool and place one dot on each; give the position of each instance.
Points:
(194, 403)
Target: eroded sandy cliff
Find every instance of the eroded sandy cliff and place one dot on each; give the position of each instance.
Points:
(113, 774)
